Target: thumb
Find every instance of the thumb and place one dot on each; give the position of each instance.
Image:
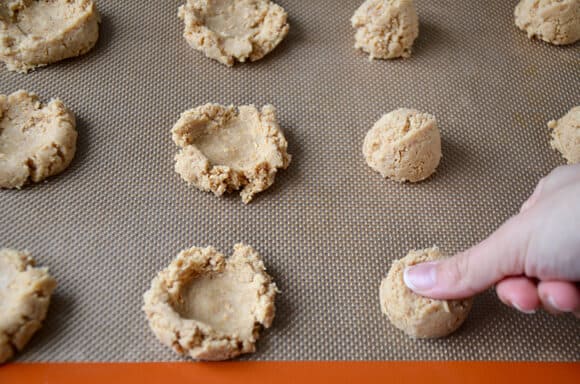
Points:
(502, 254)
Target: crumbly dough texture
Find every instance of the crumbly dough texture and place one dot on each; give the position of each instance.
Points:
(209, 307)
(24, 299)
(554, 21)
(36, 140)
(419, 316)
(404, 145)
(386, 29)
(10, 8)
(233, 30)
(224, 149)
(41, 32)
(566, 135)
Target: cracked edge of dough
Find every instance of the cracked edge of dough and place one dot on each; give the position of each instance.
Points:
(263, 176)
(527, 20)
(203, 39)
(70, 43)
(195, 338)
(59, 154)
(17, 327)
(276, 19)
(194, 167)
(556, 142)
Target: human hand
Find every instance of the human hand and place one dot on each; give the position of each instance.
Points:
(533, 258)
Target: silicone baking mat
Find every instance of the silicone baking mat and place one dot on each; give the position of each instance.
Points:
(329, 227)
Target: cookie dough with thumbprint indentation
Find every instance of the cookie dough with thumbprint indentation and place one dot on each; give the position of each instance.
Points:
(566, 135)
(226, 148)
(209, 307)
(36, 140)
(24, 299)
(41, 32)
(554, 21)
(404, 145)
(233, 30)
(415, 315)
(386, 29)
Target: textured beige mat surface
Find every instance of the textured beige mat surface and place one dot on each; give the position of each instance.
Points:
(329, 227)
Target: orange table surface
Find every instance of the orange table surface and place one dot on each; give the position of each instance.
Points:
(431, 372)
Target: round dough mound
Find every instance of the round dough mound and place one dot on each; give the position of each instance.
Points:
(224, 149)
(419, 316)
(386, 29)
(230, 30)
(211, 308)
(566, 135)
(554, 21)
(37, 33)
(404, 145)
(24, 298)
(36, 140)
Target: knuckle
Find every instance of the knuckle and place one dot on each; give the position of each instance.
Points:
(457, 269)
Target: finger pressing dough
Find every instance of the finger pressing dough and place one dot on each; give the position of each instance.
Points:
(566, 135)
(37, 33)
(24, 298)
(415, 315)
(386, 29)
(233, 30)
(209, 307)
(404, 145)
(36, 140)
(556, 22)
(224, 149)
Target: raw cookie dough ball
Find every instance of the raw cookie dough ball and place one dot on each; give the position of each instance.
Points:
(419, 316)
(386, 29)
(404, 145)
(37, 33)
(24, 299)
(36, 140)
(554, 21)
(233, 30)
(209, 307)
(226, 148)
(566, 135)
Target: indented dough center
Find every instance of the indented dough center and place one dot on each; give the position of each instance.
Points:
(222, 301)
(45, 17)
(234, 19)
(22, 128)
(236, 144)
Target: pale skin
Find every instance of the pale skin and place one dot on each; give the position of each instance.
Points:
(533, 259)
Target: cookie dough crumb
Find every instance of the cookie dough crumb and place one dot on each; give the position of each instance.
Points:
(24, 299)
(404, 145)
(209, 307)
(415, 315)
(10, 8)
(556, 22)
(233, 30)
(37, 33)
(224, 149)
(36, 140)
(566, 135)
(386, 29)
